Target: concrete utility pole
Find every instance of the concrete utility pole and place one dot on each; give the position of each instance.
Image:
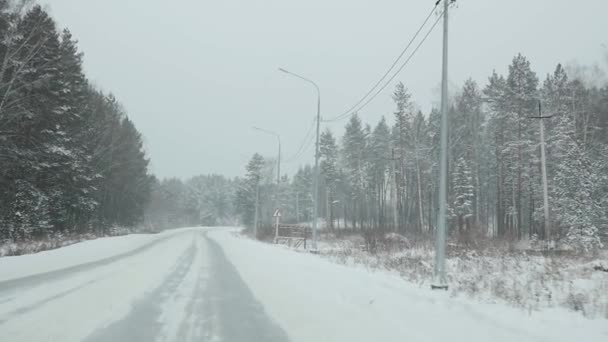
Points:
(440, 281)
(543, 162)
(315, 190)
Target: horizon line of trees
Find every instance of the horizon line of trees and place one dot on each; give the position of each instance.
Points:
(71, 160)
(385, 177)
(204, 200)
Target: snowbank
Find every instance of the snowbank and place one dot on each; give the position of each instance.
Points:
(315, 299)
(80, 253)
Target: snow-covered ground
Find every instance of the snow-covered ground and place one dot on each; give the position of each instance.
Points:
(214, 285)
(522, 278)
(314, 299)
(179, 288)
(76, 254)
(74, 306)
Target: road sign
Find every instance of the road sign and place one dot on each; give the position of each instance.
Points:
(277, 213)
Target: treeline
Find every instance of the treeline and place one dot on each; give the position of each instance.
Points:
(71, 161)
(385, 176)
(205, 200)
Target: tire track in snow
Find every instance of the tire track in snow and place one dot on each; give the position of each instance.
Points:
(202, 299)
(10, 286)
(236, 315)
(59, 293)
(142, 324)
(25, 309)
(193, 326)
(180, 320)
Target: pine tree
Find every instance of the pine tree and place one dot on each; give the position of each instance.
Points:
(71, 160)
(354, 145)
(463, 195)
(302, 183)
(402, 142)
(521, 92)
(465, 136)
(328, 150)
(249, 189)
(30, 103)
(379, 158)
(501, 123)
(571, 171)
(129, 177)
(423, 160)
(73, 173)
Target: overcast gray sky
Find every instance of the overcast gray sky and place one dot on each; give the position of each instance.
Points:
(195, 75)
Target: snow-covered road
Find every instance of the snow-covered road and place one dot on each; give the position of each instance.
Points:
(208, 285)
(179, 287)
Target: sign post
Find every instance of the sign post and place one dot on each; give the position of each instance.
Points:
(277, 219)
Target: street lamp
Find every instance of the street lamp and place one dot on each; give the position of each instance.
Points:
(315, 189)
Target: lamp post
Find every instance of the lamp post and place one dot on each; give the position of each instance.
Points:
(315, 189)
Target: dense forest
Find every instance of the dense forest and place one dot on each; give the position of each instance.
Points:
(206, 200)
(72, 162)
(384, 177)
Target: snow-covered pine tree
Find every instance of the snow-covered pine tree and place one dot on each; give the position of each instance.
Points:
(464, 194)
(74, 169)
(379, 160)
(354, 144)
(522, 98)
(401, 136)
(30, 104)
(465, 134)
(246, 193)
(61, 139)
(302, 188)
(328, 150)
(571, 174)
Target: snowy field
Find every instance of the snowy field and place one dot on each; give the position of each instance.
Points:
(214, 285)
(523, 279)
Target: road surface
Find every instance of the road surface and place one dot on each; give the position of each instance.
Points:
(211, 285)
(196, 295)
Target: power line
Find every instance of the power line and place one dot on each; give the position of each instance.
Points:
(305, 141)
(396, 73)
(350, 110)
(298, 157)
